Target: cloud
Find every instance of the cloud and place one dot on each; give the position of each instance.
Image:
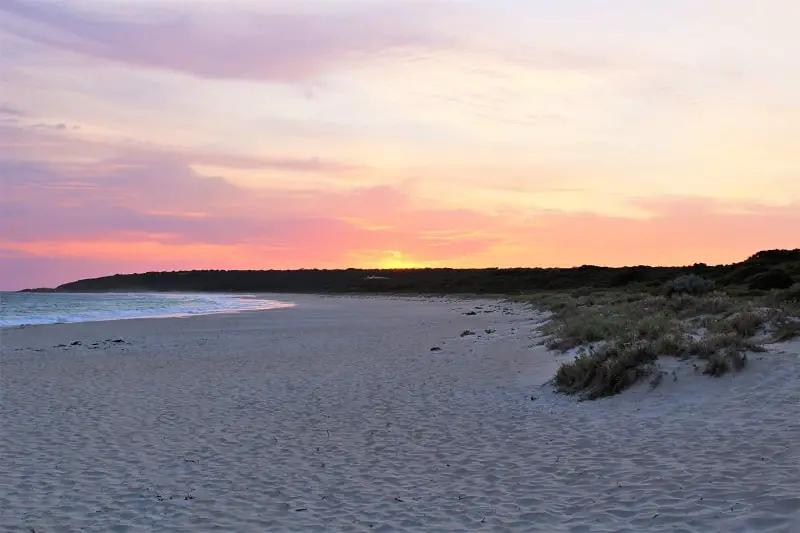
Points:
(32, 140)
(8, 111)
(168, 203)
(10, 116)
(133, 214)
(59, 127)
(278, 43)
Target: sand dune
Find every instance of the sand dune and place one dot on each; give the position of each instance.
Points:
(337, 416)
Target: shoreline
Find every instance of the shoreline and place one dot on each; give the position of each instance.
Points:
(269, 303)
(338, 415)
(278, 298)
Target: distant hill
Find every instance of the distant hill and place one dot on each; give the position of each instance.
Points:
(764, 270)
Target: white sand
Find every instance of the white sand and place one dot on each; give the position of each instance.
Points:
(336, 416)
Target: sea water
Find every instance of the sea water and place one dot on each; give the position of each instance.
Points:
(29, 308)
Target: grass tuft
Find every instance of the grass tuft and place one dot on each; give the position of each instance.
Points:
(606, 371)
(620, 336)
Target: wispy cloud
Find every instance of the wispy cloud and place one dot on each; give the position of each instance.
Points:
(115, 210)
(56, 138)
(8, 111)
(124, 200)
(280, 41)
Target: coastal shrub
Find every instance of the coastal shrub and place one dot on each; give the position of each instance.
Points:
(747, 323)
(625, 331)
(606, 371)
(775, 278)
(792, 294)
(573, 376)
(583, 327)
(554, 302)
(716, 366)
(689, 284)
(711, 345)
(673, 344)
(775, 256)
(613, 367)
(628, 275)
(741, 273)
(721, 363)
(603, 298)
(688, 306)
(653, 327)
(620, 338)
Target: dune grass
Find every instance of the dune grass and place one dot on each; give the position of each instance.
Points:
(620, 335)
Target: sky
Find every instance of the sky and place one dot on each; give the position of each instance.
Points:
(140, 135)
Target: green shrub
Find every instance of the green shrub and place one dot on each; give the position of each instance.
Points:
(653, 327)
(746, 323)
(712, 345)
(689, 306)
(716, 366)
(583, 327)
(673, 344)
(792, 294)
(720, 363)
(626, 333)
(606, 371)
(689, 284)
(772, 279)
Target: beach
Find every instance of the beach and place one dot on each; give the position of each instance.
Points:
(340, 414)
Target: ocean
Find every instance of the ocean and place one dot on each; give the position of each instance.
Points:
(29, 308)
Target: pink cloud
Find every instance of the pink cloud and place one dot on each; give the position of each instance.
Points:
(31, 140)
(158, 214)
(122, 200)
(280, 43)
(13, 112)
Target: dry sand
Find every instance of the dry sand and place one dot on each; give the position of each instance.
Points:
(336, 416)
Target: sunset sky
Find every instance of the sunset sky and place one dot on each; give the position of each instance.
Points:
(142, 135)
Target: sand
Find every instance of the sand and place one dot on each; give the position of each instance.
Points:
(336, 415)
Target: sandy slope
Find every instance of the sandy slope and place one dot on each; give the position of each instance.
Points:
(336, 416)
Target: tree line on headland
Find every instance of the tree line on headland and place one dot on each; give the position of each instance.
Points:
(763, 271)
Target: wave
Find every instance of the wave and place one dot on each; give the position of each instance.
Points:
(18, 309)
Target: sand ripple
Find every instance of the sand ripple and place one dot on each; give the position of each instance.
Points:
(336, 416)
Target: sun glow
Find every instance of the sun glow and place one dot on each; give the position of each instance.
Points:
(396, 259)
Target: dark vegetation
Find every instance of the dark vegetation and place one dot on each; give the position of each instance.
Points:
(771, 269)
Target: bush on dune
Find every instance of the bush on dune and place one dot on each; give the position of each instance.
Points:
(790, 295)
(747, 323)
(775, 278)
(583, 327)
(606, 371)
(725, 343)
(689, 284)
(623, 337)
(617, 365)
